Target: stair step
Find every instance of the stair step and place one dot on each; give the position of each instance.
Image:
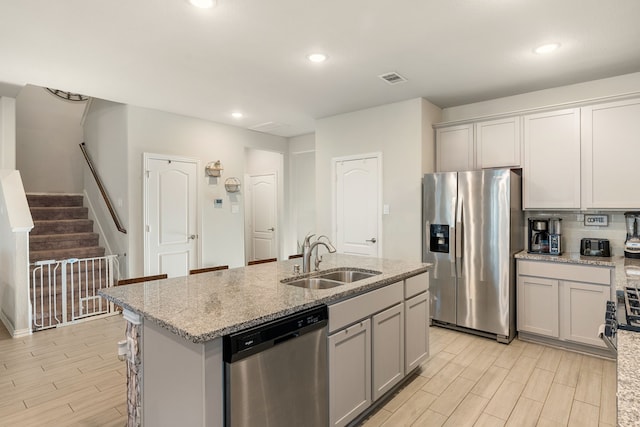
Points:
(54, 199)
(40, 242)
(62, 226)
(64, 212)
(58, 254)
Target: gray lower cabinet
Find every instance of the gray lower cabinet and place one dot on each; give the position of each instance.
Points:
(563, 301)
(375, 340)
(388, 349)
(416, 317)
(350, 372)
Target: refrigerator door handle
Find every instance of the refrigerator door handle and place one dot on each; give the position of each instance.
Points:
(459, 239)
(452, 255)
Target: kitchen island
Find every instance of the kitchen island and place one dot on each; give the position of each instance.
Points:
(175, 328)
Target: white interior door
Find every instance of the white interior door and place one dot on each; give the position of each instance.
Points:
(263, 200)
(358, 195)
(171, 206)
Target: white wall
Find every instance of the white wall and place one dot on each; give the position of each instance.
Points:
(614, 86)
(7, 133)
(48, 131)
(400, 131)
(222, 235)
(105, 135)
(302, 189)
(15, 224)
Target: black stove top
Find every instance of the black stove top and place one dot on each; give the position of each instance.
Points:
(631, 320)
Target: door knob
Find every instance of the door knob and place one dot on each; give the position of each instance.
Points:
(372, 240)
(271, 229)
(193, 236)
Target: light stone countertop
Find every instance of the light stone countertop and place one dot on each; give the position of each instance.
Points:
(628, 378)
(205, 306)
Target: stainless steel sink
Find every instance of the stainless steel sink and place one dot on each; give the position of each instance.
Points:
(314, 283)
(330, 279)
(347, 276)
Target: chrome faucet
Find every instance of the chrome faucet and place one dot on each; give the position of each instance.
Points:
(307, 250)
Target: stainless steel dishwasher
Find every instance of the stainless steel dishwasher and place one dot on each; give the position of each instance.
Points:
(276, 373)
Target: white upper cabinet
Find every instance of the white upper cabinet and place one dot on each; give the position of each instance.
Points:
(486, 144)
(454, 148)
(498, 143)
(552, 160)
(610, 155)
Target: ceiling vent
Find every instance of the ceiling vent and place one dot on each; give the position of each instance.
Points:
(269, 127)
(392, 78)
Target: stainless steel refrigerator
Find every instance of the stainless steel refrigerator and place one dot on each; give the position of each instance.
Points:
(473, 225)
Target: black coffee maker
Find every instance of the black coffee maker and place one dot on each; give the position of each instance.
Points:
(538, 236)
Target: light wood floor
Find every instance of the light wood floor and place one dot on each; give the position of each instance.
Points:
(67, 376)
(472, 381)
(72, 377)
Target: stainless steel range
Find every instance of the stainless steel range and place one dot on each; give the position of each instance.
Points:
(624, 313)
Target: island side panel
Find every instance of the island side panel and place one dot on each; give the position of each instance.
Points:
(134, 375)
(182, 382)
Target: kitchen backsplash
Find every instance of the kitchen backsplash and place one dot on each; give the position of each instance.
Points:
(573, 229)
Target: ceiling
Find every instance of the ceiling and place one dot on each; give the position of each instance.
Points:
(250, 55)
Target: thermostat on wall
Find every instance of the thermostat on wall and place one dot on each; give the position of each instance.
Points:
(217, 203)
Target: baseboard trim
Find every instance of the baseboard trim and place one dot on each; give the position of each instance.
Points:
(15, 333)
(566, 345)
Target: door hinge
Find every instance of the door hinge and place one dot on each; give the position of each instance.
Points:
(148, 173)
(146, 228)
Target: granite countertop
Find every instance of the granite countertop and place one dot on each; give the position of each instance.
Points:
(205, 306)
(628, 378)
(571, 258)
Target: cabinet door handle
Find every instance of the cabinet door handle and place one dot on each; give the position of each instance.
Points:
(372, 240)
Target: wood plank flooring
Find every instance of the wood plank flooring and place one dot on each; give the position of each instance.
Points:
(71, 376)
(473, 381)
(67, 376)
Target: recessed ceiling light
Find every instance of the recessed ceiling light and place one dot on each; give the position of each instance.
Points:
(203, 4)
(236, 115)
(546, 48)
(317, 57)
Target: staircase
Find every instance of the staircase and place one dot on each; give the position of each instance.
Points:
(62, 231)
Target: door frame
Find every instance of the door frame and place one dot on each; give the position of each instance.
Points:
(248, 211)
(146, 157)
(334, 194)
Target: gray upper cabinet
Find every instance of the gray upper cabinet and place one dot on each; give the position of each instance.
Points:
(498, 143)
(455, 149)
(610, 155)
(481, 145)
(552, 160)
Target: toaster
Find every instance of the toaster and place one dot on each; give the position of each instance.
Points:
(595, 247)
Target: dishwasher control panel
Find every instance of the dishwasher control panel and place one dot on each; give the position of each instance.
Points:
(244, 343)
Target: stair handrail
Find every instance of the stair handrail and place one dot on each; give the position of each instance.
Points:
(105, 196)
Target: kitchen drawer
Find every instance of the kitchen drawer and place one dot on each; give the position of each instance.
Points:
(416, 285)
(357, 308)
(562, 271)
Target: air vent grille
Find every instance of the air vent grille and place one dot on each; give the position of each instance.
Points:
(392, 78)
(269, 127)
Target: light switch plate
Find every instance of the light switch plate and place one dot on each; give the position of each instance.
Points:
(385, 209)
(235, 208)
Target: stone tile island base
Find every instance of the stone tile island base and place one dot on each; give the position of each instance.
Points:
(134, 371)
